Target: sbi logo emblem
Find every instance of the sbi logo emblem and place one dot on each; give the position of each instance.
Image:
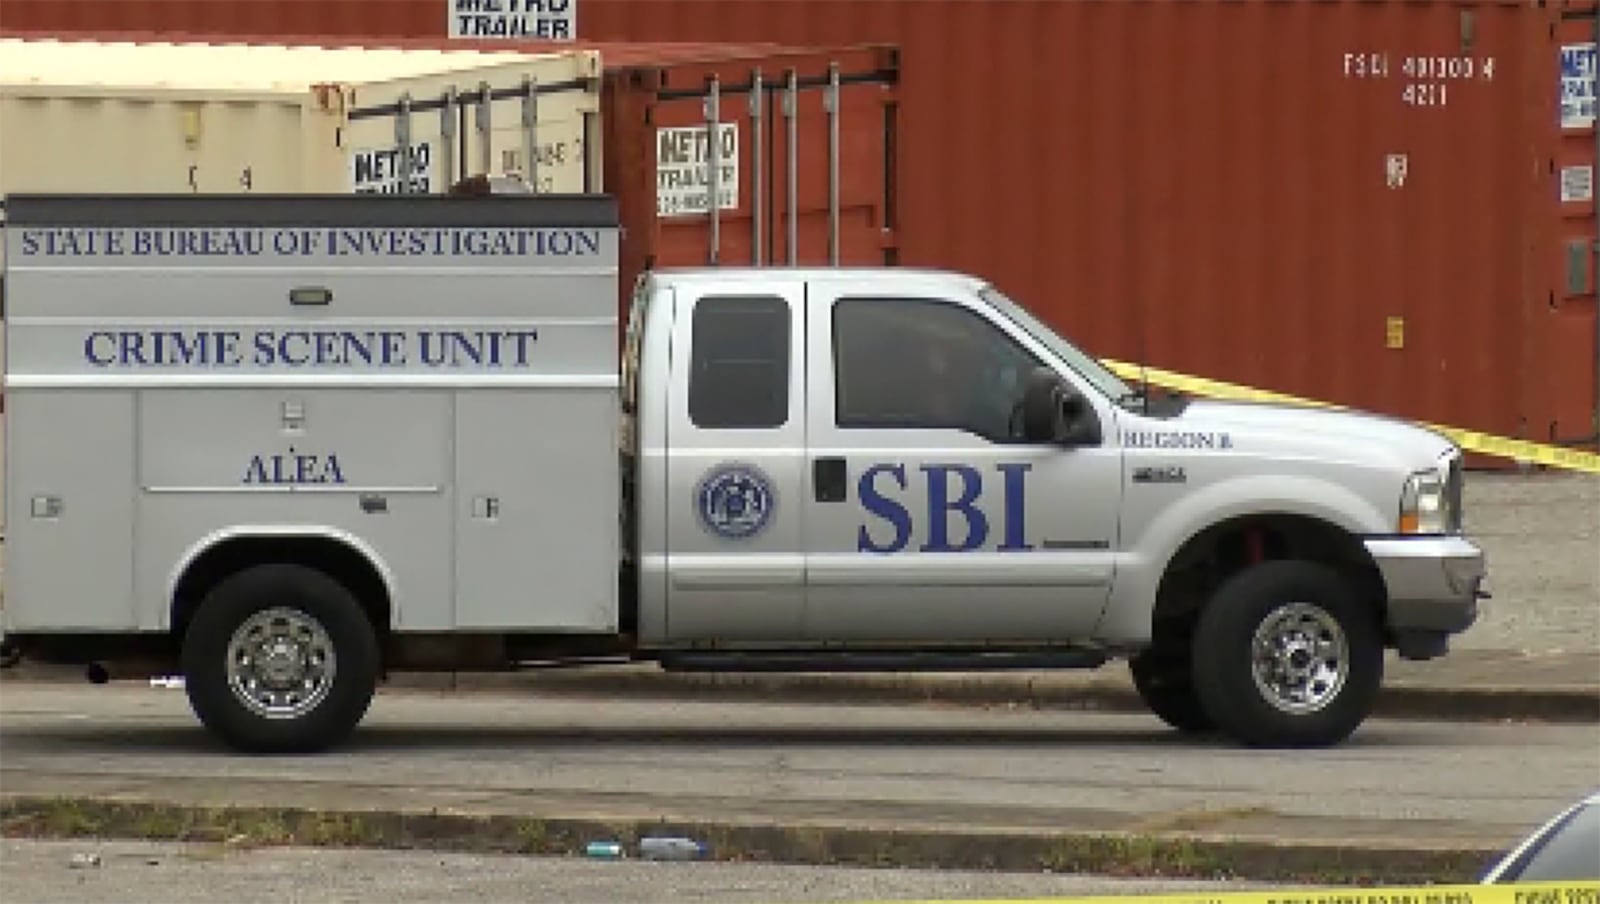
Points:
(735, 501)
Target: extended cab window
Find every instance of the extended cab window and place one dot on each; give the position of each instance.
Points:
(916, 363)
(739, 364)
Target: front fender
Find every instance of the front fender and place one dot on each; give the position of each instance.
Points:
(1149, 543)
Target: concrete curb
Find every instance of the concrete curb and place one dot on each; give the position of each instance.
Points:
(1100, 854)
(1103, 694)
(1098, 692)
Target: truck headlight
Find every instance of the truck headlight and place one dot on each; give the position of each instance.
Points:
(1424, 508)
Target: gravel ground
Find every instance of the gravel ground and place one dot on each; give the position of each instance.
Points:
(1541, 533)
(41, 872)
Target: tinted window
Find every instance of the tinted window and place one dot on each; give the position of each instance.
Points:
(908, 363)
(739, 363)
(1571, 851)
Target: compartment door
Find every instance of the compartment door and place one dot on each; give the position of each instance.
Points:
(70, 510)
(537, 509)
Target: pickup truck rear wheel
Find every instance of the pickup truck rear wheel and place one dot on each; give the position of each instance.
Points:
(280, 659)
(1166, 685)
(1287, 655)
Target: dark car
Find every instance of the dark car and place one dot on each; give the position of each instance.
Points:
(1565, 849)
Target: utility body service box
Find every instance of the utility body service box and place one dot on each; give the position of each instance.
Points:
(433, 381)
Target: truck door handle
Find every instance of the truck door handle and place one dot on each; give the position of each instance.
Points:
(828, 474)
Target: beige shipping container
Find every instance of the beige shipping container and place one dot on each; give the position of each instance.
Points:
(207, 118)
(486, 121)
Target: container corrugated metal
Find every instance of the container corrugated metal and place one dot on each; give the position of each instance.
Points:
(650, 146)
(126, 117)
(541, 109)
(1356, 201)
(805, 179)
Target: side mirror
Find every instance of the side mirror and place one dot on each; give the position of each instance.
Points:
(1053, 412)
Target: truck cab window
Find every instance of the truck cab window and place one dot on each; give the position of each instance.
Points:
(739, 364)
(922, 364)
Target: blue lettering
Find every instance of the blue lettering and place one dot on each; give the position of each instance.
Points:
(522, 338)
(356, 348)
(132, 349)
(885, 508)
(263, 346)
(297, 242)
(327, 347)
(288, 357)
(191, 352)
(104, 359)
(939, 505)
(104, 348)
(256, 471)
(461, 343)
(293, 468)
(429, 359)
(1016, 537)
(394, 349)
(474, 349)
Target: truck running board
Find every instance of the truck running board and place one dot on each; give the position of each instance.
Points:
(881, 661)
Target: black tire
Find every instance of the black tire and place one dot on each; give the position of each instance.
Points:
(317, 601)
(1166, 686)
(1224, 673)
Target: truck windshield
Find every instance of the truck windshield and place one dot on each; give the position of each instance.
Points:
(1086, 366)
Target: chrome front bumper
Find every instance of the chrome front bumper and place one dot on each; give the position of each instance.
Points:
(1434, 583)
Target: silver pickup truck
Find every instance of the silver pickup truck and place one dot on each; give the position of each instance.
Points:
(286, 445)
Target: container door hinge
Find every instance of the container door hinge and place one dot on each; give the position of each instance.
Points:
(1578, 267)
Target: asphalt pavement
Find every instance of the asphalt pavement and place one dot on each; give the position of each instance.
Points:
(930, 769)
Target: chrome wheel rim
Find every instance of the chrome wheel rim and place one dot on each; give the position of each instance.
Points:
(281, 663)
(1300, 658)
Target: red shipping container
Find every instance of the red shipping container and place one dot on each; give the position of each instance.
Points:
(814, 175)
(1355, 201)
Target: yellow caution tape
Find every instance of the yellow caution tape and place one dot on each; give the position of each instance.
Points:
(1471, 440)
(1517, 893)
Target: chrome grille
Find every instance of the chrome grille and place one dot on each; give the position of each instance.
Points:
(1452, 496)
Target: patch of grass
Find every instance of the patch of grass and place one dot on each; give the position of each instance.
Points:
(533, 836)
(1134, 855)
(1142, 854)
(1195, 820)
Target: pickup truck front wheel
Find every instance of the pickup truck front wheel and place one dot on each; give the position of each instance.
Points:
(280, 659)
(1287, 655)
